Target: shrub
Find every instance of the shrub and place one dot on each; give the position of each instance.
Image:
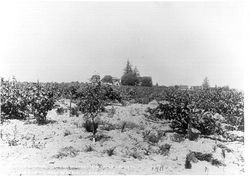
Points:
(107, 79)
(206, 124)
(111, 151)
(66, 151)
(60, 110)
(216, 162)
(42, 102)
(198, 109)
(129, 79)
(108, 126)
(182, 114)
(203, 156)
(90, 126)
(18, 100)
(188, 164)
(146, 81)
(66, 133)
(195, 156)
(102, 137)
(164, 149)
(14, 102)
(74, 112)
(190, 157)
(89, 148)
(224, 147)
(112, 112)
(12, 142)
(129, 125)
(151, 137)
(110, 93)
(177, 137)
(135, 154)
(95, 79)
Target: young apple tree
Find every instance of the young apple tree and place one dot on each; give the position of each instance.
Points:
(91, 103)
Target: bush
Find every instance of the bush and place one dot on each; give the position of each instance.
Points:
(188, 164)
(14, 101)
(206, 124)
(110, 93)
(152, 137)
(41, 106)
(108, 126)
(181, 113)
(89, 148)
(91, 127)
(60, 110)
(74, 112)
(146, 81)
(216, 162)
(102, 137)
(67, 151)
(164, 149)
(107, 79)
(112, 112)
(136, 154)
(129, 79)
(66, 133)
(95, 79)
(203, 156)
(199, 107)
(111, 151)
(128, 125)
(177, 137)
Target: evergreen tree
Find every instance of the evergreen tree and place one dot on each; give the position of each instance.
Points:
(205, 84)
(128, 68)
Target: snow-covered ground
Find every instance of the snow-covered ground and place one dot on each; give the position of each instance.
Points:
(63, 146)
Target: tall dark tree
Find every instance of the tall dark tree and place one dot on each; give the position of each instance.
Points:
(128, 68)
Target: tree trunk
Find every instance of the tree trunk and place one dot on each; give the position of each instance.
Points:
(70, 106)
(93, 128)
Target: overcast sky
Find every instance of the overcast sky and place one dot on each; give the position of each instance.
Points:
(173, 42)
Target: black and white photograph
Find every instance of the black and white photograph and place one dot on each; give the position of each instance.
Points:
(123, 88)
